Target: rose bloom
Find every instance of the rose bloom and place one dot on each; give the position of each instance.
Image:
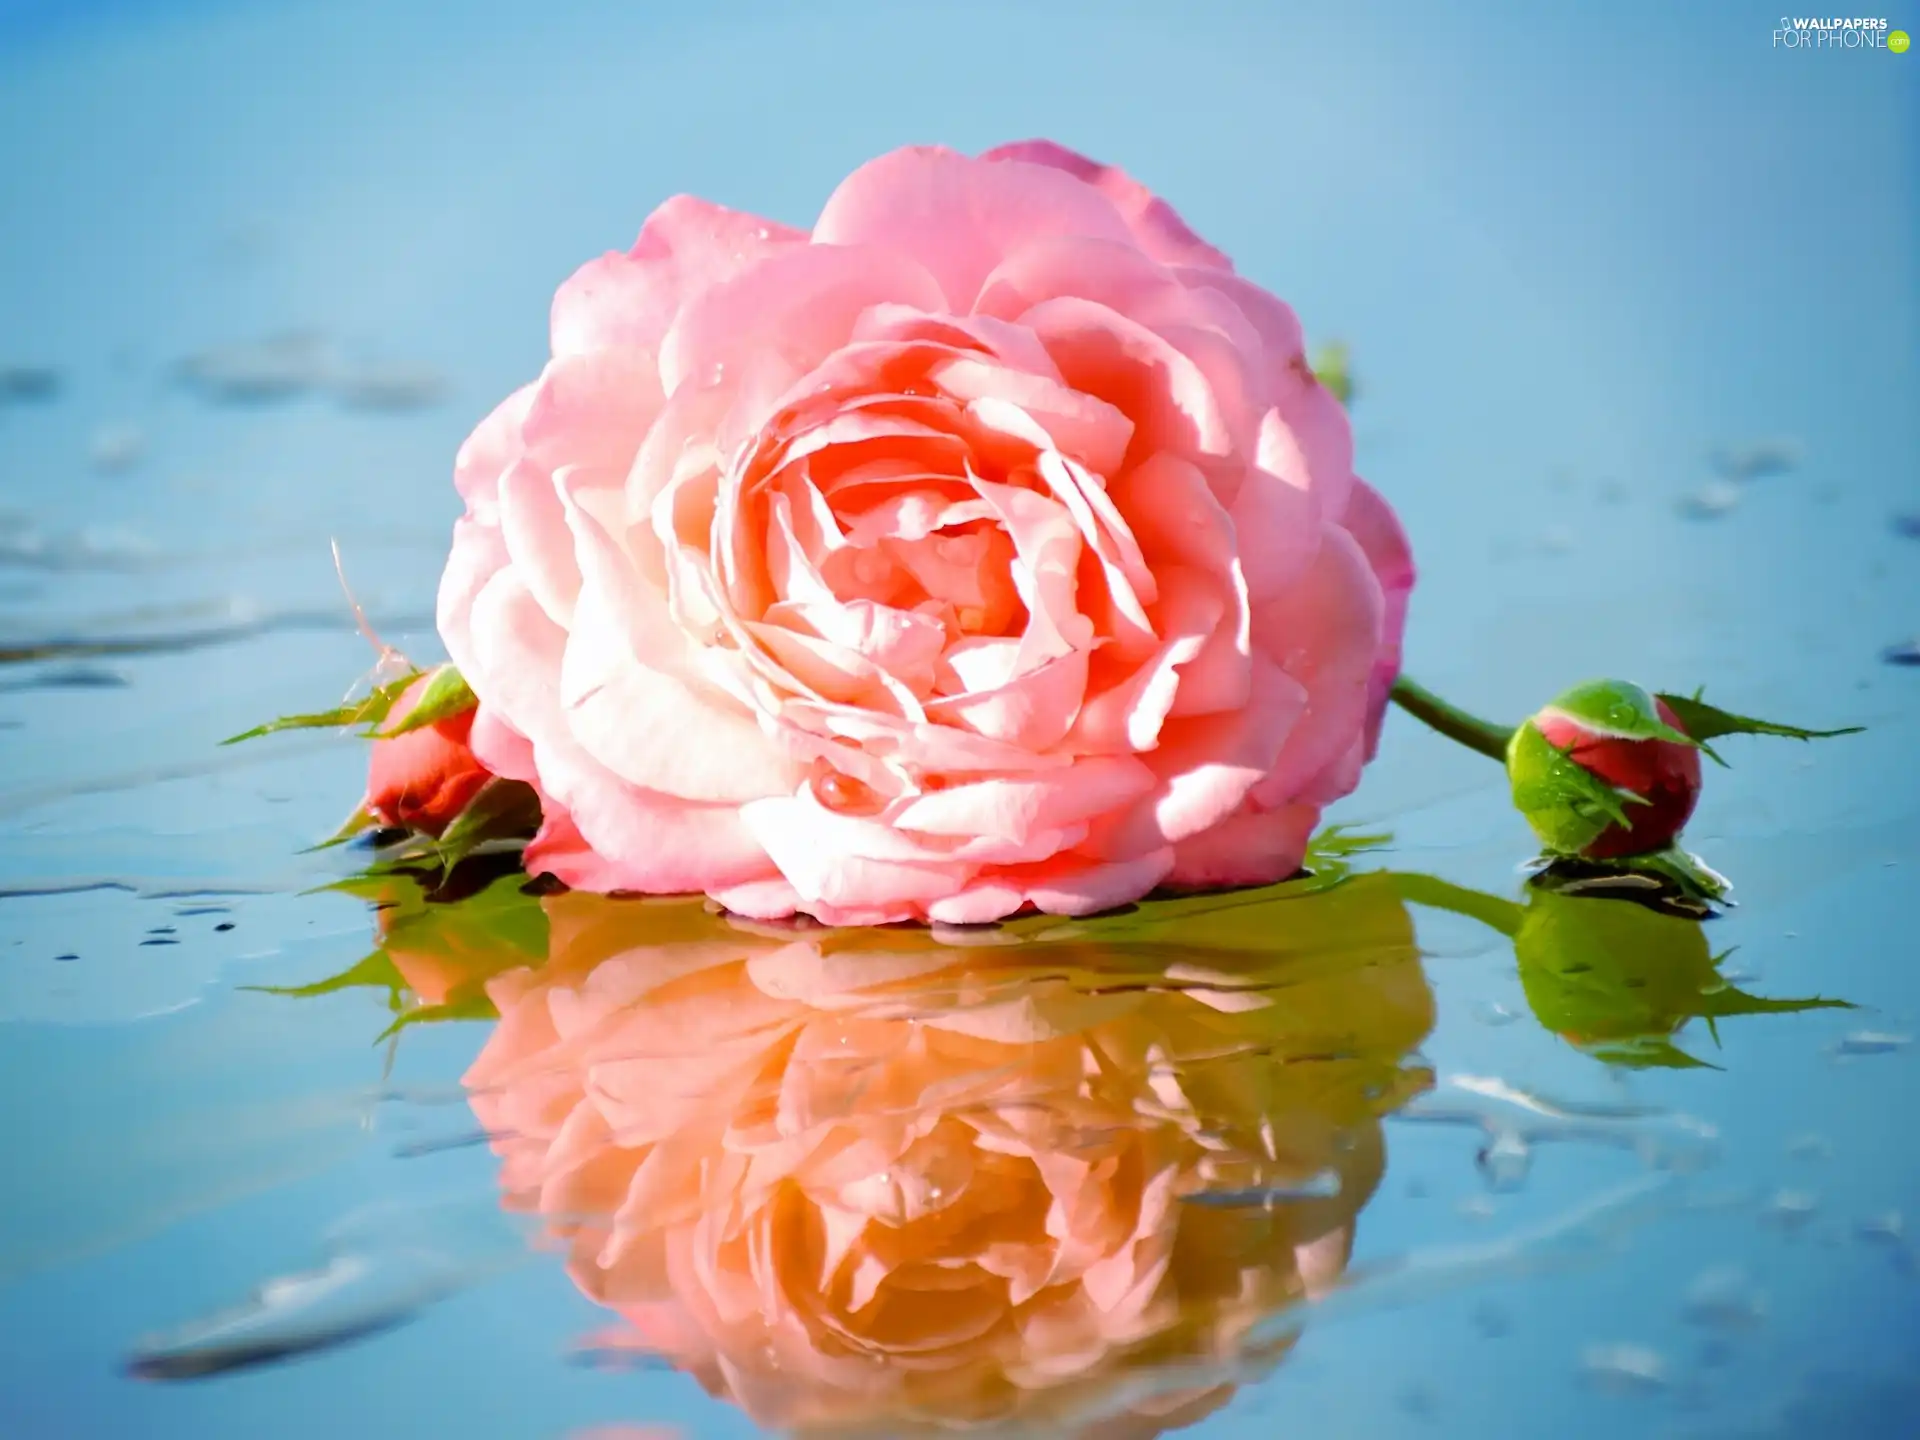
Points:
(990, 547)
(423, 779)
(868, 1181)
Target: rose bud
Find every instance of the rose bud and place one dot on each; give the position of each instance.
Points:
(1607, 770)
(423, 772)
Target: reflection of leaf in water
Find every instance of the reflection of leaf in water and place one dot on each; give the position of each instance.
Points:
(1614, 977)
(1619, 980)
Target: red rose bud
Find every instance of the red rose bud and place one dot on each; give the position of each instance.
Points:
(423, 776)
(1605, 771)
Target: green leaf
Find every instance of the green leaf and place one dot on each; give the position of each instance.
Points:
(446, 694)
(1618, 710)
(1704, 722)
(370, 710)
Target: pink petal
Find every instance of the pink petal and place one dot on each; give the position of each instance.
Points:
(1306, 441)
(479, 553)
(501, 748)
(659, 731)
(1016, 808)
(592, 410)
(805, 842)
(789, 312)
(1374, 526)
(485, 454)
(1118, 276)
(961, 216)
(1086, 889)
(1120, 360)
(1247, 848)
(1209, 764)
(1129, 716)
(1089, 430)
(1033, 711)
(1156, 225)
(687, 245)
(533, 524)
(1278, 525)
(1326, 631)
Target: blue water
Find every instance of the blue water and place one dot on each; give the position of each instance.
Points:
(1575, 249)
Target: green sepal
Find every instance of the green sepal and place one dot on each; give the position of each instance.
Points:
(1566, 804)
(1706, 722)
(370, 711)
(1332, 367)
(1618, 710)
(446, 694)
(500, 810)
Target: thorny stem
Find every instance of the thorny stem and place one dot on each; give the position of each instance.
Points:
(1451, 721)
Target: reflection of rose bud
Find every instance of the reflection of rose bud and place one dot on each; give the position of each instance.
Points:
(1627, 740)
(423, 779)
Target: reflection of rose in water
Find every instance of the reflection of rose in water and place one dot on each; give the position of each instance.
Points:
(871, 1180)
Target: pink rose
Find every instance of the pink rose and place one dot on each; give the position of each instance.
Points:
(991, 547)
(864, 1181)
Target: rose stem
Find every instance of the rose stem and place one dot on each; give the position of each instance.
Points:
(1454, 723)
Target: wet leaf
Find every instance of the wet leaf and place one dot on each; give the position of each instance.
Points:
(369, 711)
(1617, 709)
(1707, 722)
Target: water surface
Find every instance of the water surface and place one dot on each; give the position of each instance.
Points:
(1426, 1154)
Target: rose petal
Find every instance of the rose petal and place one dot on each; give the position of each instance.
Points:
(659, 731)
(790, 311)
(1326, 632)
(958, 215)
(1155, 224)
(686, 246)
(1247, 848)
(533, 524)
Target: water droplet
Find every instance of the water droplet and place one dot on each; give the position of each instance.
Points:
(1491, 1321)
(1724, 1299)
(117, 447)
(1624, 1369)
(1810, 1147)
(844, 793)
(1790, 1210)
(1506, 1159)
(1492, 1012)
(1711, 501)
(1886, 1228)
(1871, 1042)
